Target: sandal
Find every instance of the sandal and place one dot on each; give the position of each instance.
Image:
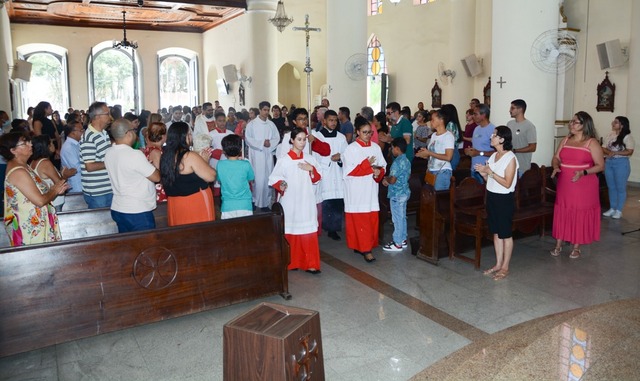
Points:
(575, 253)
(490, 271)
(556, 251)
(500, 275)
(369, 257)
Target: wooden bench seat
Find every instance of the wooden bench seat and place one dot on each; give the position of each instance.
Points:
(62, 291)
(467, 211)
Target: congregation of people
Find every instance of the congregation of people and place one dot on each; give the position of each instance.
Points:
(324, 169)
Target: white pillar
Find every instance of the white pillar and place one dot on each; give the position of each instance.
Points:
(633, 90)
(516, 24)
(262, 53)
(346, 33)
(6, 60)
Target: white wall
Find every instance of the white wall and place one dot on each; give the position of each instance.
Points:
(78, 42)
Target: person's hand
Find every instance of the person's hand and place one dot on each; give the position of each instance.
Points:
(206, 153)
(385, 182)
(482, 168)
(577, 175)
(267, 143)
(283, 186)
(68, 172)
(335, 157)
(472, 152)
(311, 138)
(423, 153)
(372, 160)
(556, 170)
(376, 172)
(61, 187)
(305, 166)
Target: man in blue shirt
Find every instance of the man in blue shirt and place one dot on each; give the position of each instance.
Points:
(481, 141)
(70, 154)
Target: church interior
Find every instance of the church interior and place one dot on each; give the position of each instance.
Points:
(399, 318)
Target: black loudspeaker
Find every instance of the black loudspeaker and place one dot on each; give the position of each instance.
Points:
(21, 70)
(610, 54)
(230, 73)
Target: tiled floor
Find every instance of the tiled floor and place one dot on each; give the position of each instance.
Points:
(391, 319)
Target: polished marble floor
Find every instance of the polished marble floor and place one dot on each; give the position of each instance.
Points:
(401, 318)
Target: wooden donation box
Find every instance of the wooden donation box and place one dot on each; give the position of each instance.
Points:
(273, 342)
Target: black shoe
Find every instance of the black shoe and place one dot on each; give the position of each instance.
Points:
(334, 236)
(293, 270)
(369, 259)
(358, 252)
(314, 272)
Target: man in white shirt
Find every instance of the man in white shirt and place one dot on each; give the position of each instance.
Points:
(132, 179)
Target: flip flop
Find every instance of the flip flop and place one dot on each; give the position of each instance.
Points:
(500, 275)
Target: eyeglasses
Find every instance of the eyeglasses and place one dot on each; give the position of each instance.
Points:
(367, 132)
(302, 119)
(23, 143)
(575, 122)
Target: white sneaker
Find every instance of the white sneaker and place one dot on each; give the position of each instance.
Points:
(392, 246)
(405, 244)
(609, 213)
(616, 215)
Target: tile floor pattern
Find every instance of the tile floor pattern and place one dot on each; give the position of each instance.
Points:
(392, 319)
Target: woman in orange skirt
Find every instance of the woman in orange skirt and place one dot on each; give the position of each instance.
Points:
(186, 177)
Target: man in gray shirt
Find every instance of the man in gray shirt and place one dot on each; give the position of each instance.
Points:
(524, 135)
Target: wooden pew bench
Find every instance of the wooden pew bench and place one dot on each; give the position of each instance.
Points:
(80, 287)
(467, 211)
(435, 221)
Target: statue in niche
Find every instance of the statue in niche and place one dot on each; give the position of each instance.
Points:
(436, 96)
(241, 94)
(606, 94)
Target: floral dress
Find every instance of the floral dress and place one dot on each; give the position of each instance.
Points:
(25, 222)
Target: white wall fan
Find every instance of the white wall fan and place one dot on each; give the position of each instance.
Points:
(554, 51)
(356, 67)
(445, 74)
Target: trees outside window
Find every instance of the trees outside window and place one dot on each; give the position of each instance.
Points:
(178, 77)
(113, 77)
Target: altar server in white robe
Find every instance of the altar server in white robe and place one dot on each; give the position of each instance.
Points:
(262, 138)
(364, 167)
(293, 178)
(332, 184)
(204, 122)
(319, 148)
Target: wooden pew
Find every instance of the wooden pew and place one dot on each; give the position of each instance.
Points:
(74, 201)
(57, 292)
(92, 223)
(467, 210)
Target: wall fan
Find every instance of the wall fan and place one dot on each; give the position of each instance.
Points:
(554, 51)
(356, 67)
(445, 75)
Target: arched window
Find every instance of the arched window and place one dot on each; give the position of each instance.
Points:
(49, 77)
(177, 77)
(113, 76)
(377, 81)
(375, 7)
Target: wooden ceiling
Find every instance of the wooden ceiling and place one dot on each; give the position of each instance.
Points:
(194, 16)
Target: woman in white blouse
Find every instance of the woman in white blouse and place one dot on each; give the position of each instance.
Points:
(500, 174)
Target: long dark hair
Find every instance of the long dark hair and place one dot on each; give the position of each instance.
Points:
(40, 112)
(624, 131)
(452, 113)
(381, 117)
(173, 152)
(40, 145)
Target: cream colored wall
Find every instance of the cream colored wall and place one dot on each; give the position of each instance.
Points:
(599, 21)
(78, 42)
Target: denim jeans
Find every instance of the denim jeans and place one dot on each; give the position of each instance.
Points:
(133, 222)
(399, 218)
(443, 179)
(617, 171)
(102, 201)
(455, 160)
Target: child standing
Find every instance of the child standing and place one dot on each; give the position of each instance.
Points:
(234, 175)
(293, 178)
(398, 183)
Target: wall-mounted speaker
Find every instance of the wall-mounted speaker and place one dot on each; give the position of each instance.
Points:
(230, 73)
(21, 70)
(472, 66)
(610, 54)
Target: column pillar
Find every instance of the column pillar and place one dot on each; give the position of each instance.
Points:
(6, 60)
(633, 90)
(346, 32)
(262, 52)
(516, 24)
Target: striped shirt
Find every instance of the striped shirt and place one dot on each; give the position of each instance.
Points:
(93, 147)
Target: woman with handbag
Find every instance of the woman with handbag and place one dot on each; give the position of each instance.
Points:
(439, 152)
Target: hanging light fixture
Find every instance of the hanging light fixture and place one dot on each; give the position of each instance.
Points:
(125, 43)
(281, 21)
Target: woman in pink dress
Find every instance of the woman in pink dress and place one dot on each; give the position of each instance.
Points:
(576, 216)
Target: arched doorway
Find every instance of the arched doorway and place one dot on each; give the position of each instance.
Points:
(290, 84)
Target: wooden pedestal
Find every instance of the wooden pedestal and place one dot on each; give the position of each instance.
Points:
(274, 342)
